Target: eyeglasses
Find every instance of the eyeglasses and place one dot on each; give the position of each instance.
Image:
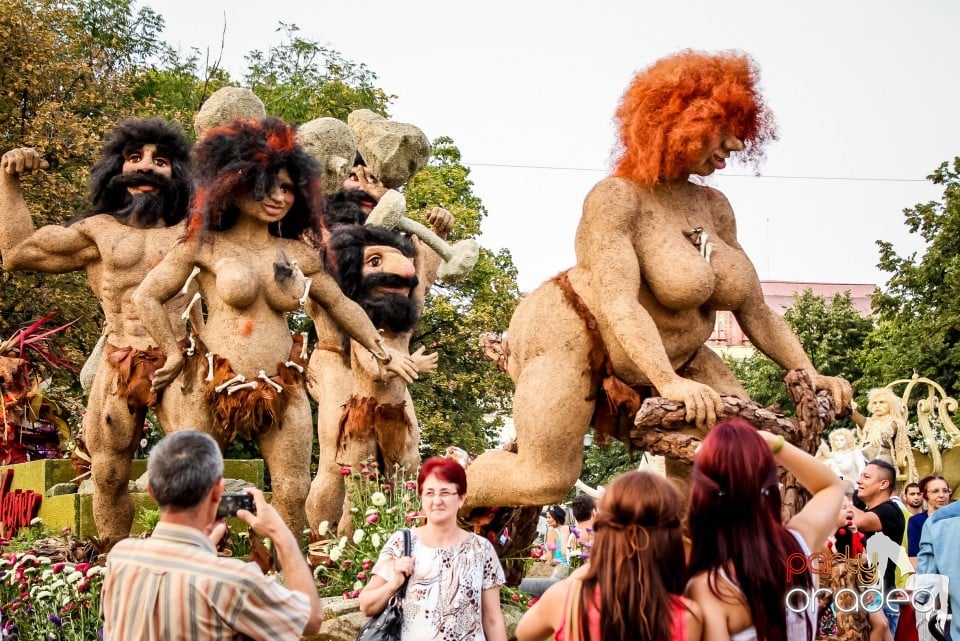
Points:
(443, 495)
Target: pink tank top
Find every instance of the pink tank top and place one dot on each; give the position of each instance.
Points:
(593, 618)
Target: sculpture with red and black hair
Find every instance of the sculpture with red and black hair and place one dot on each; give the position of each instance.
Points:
(242, 158)
(678, 104)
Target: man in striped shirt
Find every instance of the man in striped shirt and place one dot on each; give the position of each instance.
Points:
(173, 586)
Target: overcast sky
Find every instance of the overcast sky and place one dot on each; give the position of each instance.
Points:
(865, 94)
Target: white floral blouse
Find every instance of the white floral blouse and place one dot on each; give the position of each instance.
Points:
(443, 594)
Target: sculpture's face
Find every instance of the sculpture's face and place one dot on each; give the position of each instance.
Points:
(714, 154)
(148, 160)
(840, 442)
(274, 205)
(382, 259)
(879, 406)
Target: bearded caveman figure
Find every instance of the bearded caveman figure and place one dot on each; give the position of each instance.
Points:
(331, 382)
(657, 257)
(139, 190)
(375, 267)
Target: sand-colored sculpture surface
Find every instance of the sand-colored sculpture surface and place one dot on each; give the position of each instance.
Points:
(843, 456)
(332, 382)
(251, 247)
(331, 142)
(884, 433)
(226, 104)
(657, 256)
(139, 190)
(394, 151)
(375, 267)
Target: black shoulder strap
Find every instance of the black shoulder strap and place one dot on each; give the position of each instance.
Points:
(407, 550)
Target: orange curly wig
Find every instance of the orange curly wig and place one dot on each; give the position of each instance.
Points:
(676, 105)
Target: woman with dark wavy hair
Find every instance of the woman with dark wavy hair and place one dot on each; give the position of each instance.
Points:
(631, 589)
(250, 243)
(744, 562)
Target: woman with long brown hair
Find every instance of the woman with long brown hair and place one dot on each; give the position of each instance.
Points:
(744, 563)
(632, 587)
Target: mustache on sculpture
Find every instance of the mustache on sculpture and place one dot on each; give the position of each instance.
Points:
(137, 179)
(388, 280)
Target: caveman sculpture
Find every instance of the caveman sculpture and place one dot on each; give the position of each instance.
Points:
(249, 236)
(375, 267)
(139, 192)
(358, 195)
(657, 256)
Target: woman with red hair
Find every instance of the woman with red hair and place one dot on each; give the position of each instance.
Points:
(749, 573)
(631, 589)
(452, 577)
(657, 257)
(250, 244)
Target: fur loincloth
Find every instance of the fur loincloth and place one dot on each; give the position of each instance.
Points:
(135, 369)
(616, 402)
(388, 422)
(250, 412)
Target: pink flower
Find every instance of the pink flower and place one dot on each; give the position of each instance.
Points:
(82, 567)
(533, 600)
(411, 485)
(367, 564)
(387, 487)
(346, 594)
(344, 471)
(361, 576)
(412, 516)
(355, 594)
(372, 518)
(56, 567)
(515, 597)
(346, 563)
(552, 546)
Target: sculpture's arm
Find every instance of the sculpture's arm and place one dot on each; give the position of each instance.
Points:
(766, 329)
(53, 249)
(354, 322)
(610, 262)
(160, 285)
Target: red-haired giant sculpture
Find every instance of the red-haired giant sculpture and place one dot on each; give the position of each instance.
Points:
(657, 257)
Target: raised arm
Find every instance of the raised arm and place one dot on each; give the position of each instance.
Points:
(14, 214)
(818, 518)
(610, 262)
(160, 285)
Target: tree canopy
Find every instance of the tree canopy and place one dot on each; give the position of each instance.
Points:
(918, 327)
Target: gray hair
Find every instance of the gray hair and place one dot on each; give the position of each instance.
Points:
(183, 467)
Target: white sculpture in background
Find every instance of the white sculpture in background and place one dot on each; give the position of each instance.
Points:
(842, 455)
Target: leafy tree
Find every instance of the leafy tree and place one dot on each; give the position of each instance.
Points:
(64, 81)
(831, 333)
(461, 402)
(302, 79)
(919, 309)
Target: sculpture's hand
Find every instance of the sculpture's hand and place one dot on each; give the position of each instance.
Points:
(23, 160)
(702, 402)
(426, 363)
(440, 221)
(171, 368)
(402, 365)
(840, 389)
(368, 183)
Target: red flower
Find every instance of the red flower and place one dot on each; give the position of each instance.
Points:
(515, 597)
(372, 518)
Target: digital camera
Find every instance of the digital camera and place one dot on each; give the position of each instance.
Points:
(230, 503)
